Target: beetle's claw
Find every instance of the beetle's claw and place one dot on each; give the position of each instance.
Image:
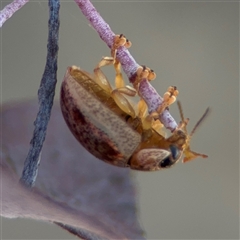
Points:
(143, 72)
(146, 72)
(169, 98)
(105, 61)
(119, 41)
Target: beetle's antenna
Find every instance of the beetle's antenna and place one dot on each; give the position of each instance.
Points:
(182, 116)
(190, 155)
(200, 121)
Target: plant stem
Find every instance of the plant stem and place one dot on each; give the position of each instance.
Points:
(129, 65)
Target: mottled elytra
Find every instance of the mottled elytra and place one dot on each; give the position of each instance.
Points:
(113, 135)
(108, 132)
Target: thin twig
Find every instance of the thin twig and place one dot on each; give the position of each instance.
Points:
(128, 63)
(46, 94)
(10, 9)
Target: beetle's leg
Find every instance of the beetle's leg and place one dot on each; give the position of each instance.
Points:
(148, 120)
(158, 126)
(119, 41)
(152, 120)
(119, 81)
(117, 93)
(142, 109)
(143, 72)
(122, 102)
(169, 98)
(143, 114)
(100, 77)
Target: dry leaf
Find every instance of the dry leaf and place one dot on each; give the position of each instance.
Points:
(82, 194)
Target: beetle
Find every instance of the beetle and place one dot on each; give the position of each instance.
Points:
(107, 125)
(114, 136)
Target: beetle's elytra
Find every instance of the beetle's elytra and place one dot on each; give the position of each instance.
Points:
(99, 127)
(109, 127)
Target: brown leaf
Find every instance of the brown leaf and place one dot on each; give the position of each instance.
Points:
(73, 188)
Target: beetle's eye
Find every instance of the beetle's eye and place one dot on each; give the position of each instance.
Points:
(172, 158)
(167, 162)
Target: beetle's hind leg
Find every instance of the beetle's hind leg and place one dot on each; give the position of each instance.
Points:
(117, 94)
(101, 79)
(119, 41)
(120, 90)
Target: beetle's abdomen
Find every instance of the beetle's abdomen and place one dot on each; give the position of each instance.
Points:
(95, 126)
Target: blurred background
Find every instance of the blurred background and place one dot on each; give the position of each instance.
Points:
(193, 45)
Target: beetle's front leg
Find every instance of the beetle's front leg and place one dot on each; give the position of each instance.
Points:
(169, 98)
(152, 119)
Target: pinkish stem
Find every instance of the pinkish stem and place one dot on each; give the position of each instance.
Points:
(10, 9)
(128, 63)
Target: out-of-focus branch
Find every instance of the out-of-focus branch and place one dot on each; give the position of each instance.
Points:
(46, 94)
(10, 9)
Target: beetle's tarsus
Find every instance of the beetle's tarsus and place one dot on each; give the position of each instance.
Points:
(143, 72)
(119, 41)
(169, 98)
